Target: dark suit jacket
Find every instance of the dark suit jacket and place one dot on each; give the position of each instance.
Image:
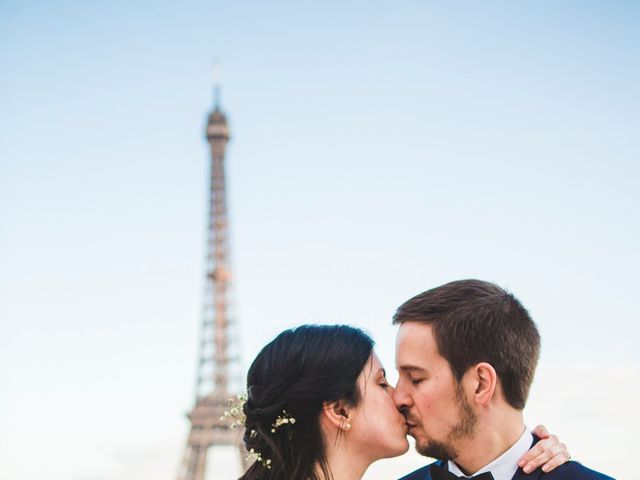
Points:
(568, 471)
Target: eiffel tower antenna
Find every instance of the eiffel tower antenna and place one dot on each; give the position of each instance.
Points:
(219, 374)
(216, 83)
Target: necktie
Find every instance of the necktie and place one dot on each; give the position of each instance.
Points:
(440, 473)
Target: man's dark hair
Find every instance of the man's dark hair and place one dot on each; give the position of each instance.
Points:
(475, 321)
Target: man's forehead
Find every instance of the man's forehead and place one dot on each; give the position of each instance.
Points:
(415, 333)
(415, 347)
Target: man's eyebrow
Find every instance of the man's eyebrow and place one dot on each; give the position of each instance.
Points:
(411, 368)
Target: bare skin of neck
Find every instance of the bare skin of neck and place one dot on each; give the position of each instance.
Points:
(344, 462)
(495, 433)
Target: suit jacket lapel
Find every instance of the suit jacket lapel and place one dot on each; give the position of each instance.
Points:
(520, 475)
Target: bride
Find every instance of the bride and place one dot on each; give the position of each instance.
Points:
(319, 407)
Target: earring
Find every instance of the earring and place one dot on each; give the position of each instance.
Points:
(347, 426)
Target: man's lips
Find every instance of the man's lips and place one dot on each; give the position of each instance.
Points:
(409, 421)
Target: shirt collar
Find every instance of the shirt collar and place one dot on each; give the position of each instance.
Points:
(506, 465)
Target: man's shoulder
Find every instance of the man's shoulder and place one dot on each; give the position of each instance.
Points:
(574, 471)
(568, 471)
(423, 473)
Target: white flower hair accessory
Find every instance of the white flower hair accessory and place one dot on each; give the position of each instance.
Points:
(257, 456)
(235, 411)
(284, 419)
(236, 414)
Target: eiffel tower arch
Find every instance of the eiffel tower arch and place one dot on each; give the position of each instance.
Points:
(218, 373)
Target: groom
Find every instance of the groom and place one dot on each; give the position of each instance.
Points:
(466, 353)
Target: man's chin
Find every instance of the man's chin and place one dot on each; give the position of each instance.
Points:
(435, 449)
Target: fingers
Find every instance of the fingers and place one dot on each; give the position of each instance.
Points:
(551, 456)
(541, 431)
(556, 461)
(549, 452)
(539, 448)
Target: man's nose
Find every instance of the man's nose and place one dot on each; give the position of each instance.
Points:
(400, 397)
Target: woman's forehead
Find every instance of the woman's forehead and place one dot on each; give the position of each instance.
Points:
(374, 365)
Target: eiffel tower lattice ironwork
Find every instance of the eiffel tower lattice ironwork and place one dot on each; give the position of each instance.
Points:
(219, 360)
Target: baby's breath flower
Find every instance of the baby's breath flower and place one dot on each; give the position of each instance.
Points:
(283, 419)
(257, 456)
(235, 411)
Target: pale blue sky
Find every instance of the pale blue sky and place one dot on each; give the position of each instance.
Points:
(379, 149)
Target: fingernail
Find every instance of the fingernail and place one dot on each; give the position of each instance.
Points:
(545, 468)
(527, 469)
(521, 463)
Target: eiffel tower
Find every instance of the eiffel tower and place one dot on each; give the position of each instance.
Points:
(219, 363)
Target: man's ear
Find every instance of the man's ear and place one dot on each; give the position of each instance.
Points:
(485, 382)
(337, 414)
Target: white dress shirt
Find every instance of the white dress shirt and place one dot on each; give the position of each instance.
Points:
(505, 466)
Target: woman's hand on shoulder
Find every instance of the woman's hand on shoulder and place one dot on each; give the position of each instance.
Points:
(549, 452)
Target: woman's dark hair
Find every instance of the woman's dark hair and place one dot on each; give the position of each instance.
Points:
(297, 372)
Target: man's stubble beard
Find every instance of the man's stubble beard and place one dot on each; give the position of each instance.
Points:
(465, 428)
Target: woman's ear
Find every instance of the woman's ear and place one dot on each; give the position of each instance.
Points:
(337, 414)
(486, 380)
